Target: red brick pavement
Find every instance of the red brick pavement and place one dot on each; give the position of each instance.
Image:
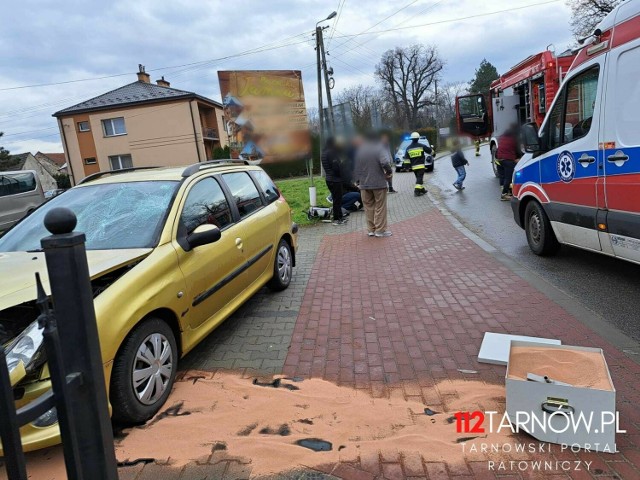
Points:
(400, 315)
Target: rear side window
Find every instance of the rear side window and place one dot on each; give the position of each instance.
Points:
(244, 192)
(269, 188)
(12, 184)
(627, 94)
(205, 205)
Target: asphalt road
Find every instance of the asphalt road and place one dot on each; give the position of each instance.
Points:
(605, 285)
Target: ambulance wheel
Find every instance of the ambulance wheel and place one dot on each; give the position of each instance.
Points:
(540, 236)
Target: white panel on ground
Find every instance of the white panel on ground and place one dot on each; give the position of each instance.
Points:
(495, 346)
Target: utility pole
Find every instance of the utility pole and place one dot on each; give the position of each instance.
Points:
(319, 64)
(331, 119)
(319, 46)
(437, 129)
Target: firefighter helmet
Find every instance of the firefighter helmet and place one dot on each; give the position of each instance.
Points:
(415, 135)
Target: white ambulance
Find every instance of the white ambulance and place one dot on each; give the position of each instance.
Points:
(579, 183)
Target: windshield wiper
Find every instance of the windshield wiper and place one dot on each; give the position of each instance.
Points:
(37, 250)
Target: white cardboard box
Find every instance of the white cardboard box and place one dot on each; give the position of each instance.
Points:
(530, 403)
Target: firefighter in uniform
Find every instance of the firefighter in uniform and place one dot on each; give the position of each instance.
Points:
(417, 153)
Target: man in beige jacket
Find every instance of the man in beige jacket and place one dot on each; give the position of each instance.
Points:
(372, 170)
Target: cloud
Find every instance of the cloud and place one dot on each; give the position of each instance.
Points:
(85, 39)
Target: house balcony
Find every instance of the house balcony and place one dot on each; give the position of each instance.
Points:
(210, 133)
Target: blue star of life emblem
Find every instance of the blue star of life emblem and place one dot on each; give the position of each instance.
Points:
(566, 166)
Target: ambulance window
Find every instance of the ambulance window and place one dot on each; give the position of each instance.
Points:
(581, 102)
(627, 94)
(572, 115)
(554, 132)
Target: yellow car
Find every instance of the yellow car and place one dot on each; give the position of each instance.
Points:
(172, 253)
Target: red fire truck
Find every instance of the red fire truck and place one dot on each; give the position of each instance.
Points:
(522, 95)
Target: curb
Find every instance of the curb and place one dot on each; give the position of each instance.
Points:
(629, 347)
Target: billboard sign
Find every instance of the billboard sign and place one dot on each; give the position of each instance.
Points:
(265, 115)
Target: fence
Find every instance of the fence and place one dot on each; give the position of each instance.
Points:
(78, 386)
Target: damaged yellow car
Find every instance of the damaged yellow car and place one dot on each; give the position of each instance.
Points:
(172, 253)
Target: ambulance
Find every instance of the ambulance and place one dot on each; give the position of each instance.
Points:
(579, 182)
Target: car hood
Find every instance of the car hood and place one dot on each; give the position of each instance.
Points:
(17, 282)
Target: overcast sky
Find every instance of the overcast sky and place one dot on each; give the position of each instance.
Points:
(56, 41)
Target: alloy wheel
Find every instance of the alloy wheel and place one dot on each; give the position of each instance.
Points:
(284, 264)
(152, 368)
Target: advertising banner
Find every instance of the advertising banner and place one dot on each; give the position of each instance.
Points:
(265, 115)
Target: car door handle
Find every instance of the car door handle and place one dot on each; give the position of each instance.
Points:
(618, 158)
(586, 160)
(239, 243)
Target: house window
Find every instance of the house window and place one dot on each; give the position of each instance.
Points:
(84, 127)
(90, 161)
(118, 162)
(113, 127)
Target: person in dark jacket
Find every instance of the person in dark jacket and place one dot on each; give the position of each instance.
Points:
(459, 162)
(333, 176)
(508, 154)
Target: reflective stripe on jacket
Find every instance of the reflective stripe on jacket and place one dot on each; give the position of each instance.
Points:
(417, 153)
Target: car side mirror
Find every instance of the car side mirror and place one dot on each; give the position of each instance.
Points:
(203, 235)
(530, 138)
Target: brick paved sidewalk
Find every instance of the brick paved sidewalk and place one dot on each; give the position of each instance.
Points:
(398, 316)
(383, 314)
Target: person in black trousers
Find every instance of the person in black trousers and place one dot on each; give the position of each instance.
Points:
(333, 176)
(508, 153)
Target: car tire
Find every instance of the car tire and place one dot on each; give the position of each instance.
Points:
(494, 149)
(135, 404)
(430, 169)
(282, 267)
(540, 236)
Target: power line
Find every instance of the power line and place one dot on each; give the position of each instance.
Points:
(449, 20)
(430, 7)
(335, 24)
(376, 24)
(30, 131)
(200, 63)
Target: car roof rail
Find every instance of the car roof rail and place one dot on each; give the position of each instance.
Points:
(95, 176)
(196, 167)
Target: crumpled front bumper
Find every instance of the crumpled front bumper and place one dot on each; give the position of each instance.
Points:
(34, 438)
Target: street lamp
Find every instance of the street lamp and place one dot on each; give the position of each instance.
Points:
(319, 50)
(331, 15)
(319, 46)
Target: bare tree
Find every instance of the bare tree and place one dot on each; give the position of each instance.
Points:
(313, 119)
(407, 76)
(447, 100)
(586, 14)
(364, 100)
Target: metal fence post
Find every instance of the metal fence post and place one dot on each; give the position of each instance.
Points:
(9, 433)
(70, 283)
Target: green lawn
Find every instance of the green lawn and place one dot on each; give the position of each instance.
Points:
(296, 191)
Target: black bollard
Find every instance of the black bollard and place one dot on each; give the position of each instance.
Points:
(89, 429)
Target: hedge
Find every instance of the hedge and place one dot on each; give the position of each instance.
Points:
(299, 168)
